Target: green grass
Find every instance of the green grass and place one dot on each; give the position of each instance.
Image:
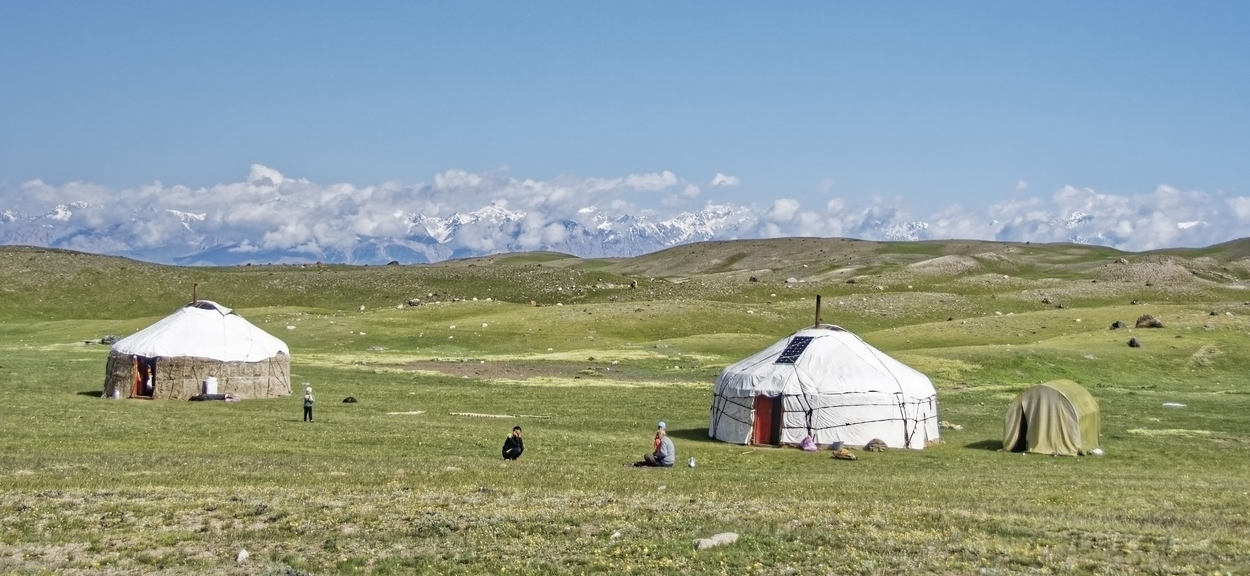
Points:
(89, 486)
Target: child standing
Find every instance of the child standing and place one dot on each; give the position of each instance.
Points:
(308, 403)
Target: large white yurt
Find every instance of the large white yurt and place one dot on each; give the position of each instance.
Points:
(824, 382)
(200, 342)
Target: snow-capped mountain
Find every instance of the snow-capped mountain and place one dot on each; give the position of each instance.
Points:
(268, 217)
(443, 229)
(902, 231)
(186, 238)
(1074, 220)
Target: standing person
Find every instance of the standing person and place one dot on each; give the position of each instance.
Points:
(663, 453)
(308, 403)
(513, 446)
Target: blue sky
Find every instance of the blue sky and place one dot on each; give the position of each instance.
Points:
(918, 105)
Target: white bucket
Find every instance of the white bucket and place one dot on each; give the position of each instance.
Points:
(210, 385)
(117, 394)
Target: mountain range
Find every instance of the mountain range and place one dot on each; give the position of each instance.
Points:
(189, 240)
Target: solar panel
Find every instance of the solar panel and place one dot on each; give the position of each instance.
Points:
(793, 350)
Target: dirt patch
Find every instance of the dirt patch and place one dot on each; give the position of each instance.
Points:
(527, 370)
(952, 264)
(1169, 271)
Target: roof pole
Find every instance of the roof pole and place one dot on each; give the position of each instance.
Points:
(817, 311)
(195, 292)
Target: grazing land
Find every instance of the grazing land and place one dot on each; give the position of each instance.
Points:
(398, 483)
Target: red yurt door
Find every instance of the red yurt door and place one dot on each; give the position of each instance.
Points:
(767, 420)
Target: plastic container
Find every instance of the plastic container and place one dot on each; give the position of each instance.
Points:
(210, 385)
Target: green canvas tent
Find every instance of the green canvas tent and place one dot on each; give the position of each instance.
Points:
(1058, 417)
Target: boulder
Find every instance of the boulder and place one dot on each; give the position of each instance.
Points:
(844, 454)
(1118, 324)
(1134, 343)
(1148, 321)
(718, 540)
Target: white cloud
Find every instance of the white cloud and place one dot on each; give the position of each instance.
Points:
(659, 181)
(783, 210)
(644, 182)
(268, 211)
(264, 177)
(723, 180)
(456, 180)
(1021, 185)
(682, 198)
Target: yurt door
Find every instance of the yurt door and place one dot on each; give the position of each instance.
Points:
(768, 420)
(145, 376)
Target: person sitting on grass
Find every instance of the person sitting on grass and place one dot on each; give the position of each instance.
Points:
(663, 453)
(513, 446)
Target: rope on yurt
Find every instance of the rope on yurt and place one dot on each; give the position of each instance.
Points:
(725, 400)
(907, 434)
(804, 402)
(718, 410)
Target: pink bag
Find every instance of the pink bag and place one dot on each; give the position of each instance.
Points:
(807, 444)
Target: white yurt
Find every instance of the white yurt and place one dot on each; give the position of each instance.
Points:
(824, 382)
(201, 345)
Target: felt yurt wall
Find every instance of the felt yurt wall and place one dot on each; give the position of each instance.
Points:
(174, 356)
(181, 377)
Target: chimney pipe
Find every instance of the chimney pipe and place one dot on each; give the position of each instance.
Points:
(817, 311)
(195, 293)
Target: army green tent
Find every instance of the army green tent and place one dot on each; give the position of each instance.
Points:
(1058, 417)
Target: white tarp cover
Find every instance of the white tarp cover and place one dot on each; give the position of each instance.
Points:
(203, 329)
(838, 388)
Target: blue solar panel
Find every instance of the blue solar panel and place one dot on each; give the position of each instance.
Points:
(793, 350)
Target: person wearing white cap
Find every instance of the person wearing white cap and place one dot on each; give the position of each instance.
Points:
(663, 454)
(308, 403)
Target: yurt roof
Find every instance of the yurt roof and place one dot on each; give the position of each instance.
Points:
(203, 329)
(825, 359)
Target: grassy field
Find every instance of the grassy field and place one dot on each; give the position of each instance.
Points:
(588, 365)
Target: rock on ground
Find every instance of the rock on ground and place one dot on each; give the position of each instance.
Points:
(718, 540)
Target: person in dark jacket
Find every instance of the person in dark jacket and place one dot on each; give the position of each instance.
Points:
(513, 446)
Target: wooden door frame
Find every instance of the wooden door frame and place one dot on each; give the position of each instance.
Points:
(766, 425)
(136, 389)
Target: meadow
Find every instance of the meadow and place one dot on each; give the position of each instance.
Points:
(400, 483)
